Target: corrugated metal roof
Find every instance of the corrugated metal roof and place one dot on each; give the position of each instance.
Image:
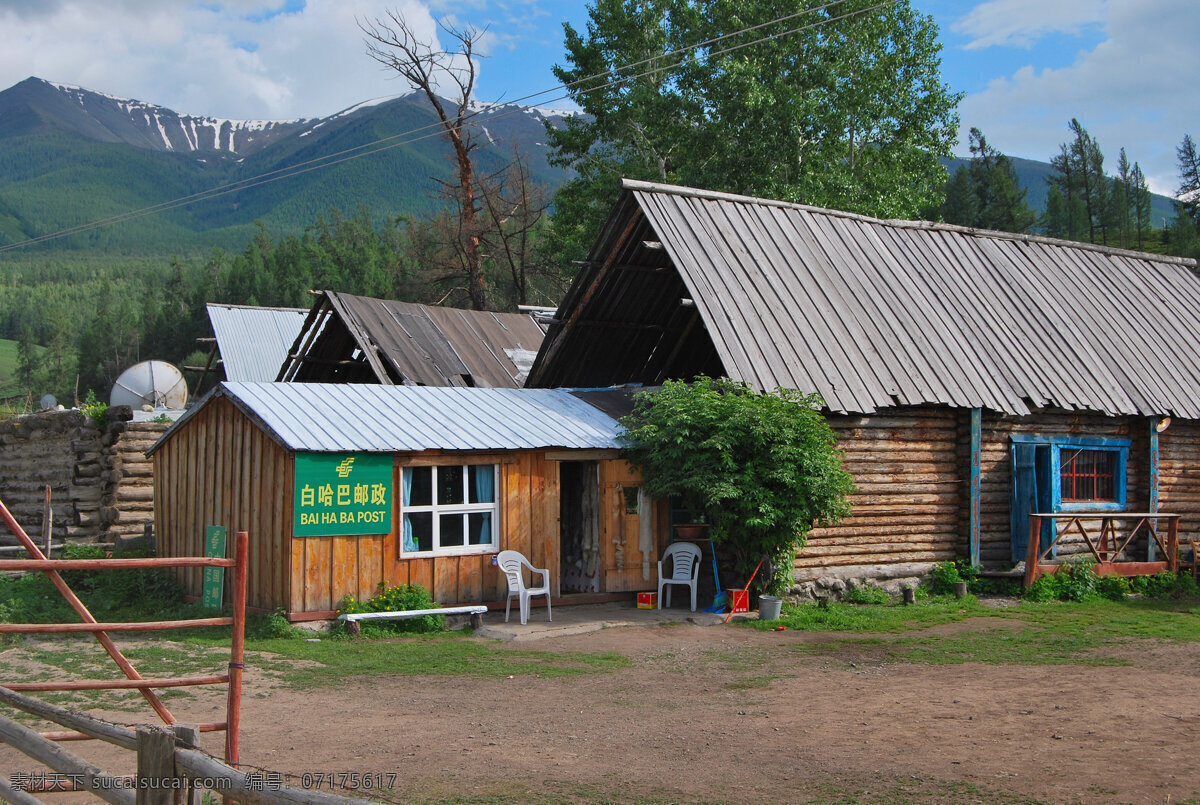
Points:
(872, 314)
(327, 417)
(404, 342)
(254, 340)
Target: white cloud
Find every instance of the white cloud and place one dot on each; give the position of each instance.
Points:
(212, 58)
(1137, 88)
(1020, 23)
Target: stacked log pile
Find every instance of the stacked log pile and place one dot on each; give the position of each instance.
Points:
(101, 484)
(131, 478)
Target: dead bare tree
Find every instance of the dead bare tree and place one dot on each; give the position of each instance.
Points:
(515, 208)
(392, 42)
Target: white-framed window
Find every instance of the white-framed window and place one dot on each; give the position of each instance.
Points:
(449, 509)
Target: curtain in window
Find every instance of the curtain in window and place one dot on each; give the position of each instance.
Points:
(410, 544)
(485, 492)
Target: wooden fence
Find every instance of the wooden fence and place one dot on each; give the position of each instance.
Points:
(170, 769)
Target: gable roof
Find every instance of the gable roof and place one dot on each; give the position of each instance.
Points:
(358, 417)
(871, 314)
(253, 341)
(358, 339)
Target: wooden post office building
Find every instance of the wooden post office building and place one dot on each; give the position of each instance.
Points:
(344, 486)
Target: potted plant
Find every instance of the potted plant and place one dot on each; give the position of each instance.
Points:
(762, 468)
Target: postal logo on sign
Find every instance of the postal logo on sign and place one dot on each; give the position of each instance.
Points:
(343, 494)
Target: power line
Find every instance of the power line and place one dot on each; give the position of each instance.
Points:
(436, 129)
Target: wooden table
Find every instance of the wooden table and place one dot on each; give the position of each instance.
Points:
(1106, 544)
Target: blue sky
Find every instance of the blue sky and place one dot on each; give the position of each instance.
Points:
(1126, 68)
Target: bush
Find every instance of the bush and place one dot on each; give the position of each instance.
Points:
(867, 593)
(943, 577)
(763, 468)
(271, 627)
(401, 598)
(1114, 588)
(1069, 583)
(1164, 585)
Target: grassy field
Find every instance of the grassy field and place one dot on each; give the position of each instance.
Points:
(9, 388)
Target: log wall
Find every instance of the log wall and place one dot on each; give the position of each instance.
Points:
(912, 507)
(1179, 475)
(100, 482)
(995, 506)
(906, 511)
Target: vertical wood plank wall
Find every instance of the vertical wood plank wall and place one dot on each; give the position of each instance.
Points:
(906, 509)
(223, 470)
(325, 569)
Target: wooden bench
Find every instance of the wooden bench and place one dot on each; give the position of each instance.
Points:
(476, 612)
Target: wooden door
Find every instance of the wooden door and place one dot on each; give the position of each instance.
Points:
(627, 530)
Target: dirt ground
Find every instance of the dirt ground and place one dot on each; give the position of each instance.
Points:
(728, 714)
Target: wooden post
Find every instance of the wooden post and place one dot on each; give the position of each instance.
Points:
(1034, 549)
(156, 781)
(237, 648)
(1173, 544)
(47, 520)
(188, 736)
(1151, 548)
(976, 453)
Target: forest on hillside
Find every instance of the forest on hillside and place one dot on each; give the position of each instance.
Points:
(492, 237)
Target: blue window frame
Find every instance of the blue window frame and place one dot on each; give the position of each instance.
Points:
(1081, 474)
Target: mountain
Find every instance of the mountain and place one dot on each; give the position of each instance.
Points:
(70, 156)
(1034, 175)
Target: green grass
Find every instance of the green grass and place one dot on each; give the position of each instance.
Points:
(1036, 633)
(9, 387)
(437, 655)
(839, 617)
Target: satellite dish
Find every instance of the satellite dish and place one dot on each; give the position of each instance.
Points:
(48, 402)
(157, 384)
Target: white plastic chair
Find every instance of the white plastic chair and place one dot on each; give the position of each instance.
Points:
(685, 570)
(513, 564)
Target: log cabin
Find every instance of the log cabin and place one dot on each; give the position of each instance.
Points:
(342, 487)
(974, 377)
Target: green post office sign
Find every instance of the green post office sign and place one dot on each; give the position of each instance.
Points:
(343, 494)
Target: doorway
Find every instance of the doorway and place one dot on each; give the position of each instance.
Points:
(579, 523)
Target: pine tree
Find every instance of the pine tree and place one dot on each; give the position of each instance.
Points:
(1189, 179)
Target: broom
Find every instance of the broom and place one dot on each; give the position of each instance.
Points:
(721, 599)
(770, 572)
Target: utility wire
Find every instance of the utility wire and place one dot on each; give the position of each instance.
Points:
(436, 129)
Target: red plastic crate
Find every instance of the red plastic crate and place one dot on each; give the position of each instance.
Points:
(739, 600)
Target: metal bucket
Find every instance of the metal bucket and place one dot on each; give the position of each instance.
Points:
(769, 607)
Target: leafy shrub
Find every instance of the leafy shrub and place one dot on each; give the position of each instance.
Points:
(867, 593)
(271, 627)
(96, 409)
(1114, 588)
(400, 598)
(1069, 583)
(943, 577)
(763, 468)
(1165, 585)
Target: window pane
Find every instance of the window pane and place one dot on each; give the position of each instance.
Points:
(1088, 475)
(479, 528)
(451, 533)
(450, 485)
(418, 531)
(420, 488)
(481, 483)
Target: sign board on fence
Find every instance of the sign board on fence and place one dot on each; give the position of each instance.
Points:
(214, 577)
(343, 494)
